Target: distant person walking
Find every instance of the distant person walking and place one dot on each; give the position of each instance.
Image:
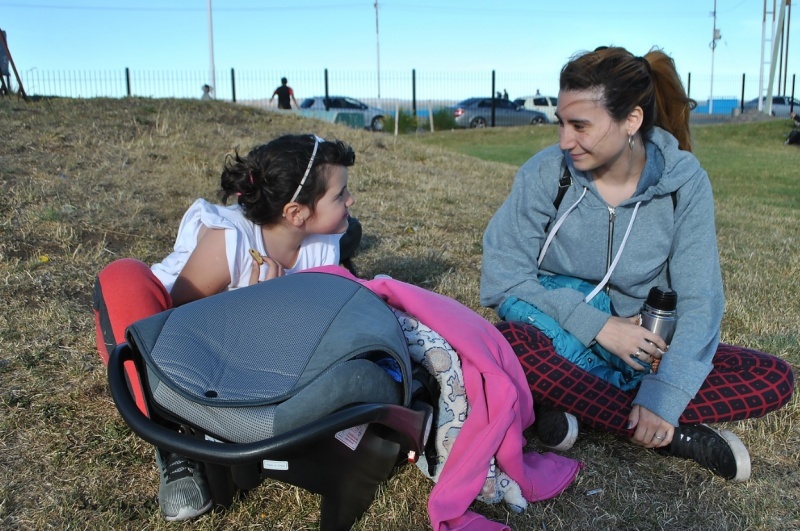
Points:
(206, 93)
(284, 93)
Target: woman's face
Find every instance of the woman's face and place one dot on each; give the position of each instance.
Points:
(595, 141)
(332, 209)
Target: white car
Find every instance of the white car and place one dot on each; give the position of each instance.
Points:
(543, 104)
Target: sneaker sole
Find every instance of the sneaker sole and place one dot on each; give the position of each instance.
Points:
(570, 437)
(187, 513)
(740, 454)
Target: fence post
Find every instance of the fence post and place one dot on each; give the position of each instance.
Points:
(128, 80)
(492, 98)
(233, 85)
(689, 86)
(741, 104)
(327, 107)
(414, 91)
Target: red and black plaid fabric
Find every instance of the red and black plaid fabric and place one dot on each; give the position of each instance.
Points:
(743, 384)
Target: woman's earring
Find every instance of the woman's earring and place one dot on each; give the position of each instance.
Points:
(631, 142)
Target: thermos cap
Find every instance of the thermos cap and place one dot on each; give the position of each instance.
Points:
(664, 299)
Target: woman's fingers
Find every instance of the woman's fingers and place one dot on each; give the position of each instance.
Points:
(651, 430)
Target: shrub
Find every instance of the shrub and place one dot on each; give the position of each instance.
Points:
(443, 119)
(407, 123)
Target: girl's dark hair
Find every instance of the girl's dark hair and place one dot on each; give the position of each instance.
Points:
(266, 178)
(651, 82)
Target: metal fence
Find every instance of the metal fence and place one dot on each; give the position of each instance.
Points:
(404, 89)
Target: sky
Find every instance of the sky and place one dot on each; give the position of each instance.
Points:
(509, 36)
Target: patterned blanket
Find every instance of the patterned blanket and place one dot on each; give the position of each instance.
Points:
(435, 354)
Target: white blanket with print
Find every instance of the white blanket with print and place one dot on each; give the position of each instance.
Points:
(433, 352)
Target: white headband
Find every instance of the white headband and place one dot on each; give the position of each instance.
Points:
(317, 142)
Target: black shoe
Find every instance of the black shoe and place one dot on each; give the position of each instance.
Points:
(556, 430)
(722, 452)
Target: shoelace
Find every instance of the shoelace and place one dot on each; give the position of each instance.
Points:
(178, 468)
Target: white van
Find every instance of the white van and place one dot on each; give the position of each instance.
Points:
(544, 104)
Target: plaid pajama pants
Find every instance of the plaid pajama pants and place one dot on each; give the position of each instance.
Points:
(743, 384)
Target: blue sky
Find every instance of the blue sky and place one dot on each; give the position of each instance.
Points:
(427, 35)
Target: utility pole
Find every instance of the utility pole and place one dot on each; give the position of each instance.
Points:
(212, 73)
(786, 56)
(716, 36)
(378, 46)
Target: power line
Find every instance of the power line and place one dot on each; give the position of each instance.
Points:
(391, 6)
(180, 9)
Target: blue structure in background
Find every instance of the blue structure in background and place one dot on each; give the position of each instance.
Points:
(721, 106)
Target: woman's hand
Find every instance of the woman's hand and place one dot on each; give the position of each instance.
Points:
(628, 341)
(651, 430)
(274, 270)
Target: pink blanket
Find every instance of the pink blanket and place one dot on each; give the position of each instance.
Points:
(501, 407)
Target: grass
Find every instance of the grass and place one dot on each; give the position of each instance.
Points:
(87, 181)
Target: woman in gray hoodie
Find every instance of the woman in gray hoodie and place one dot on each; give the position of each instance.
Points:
(618, 207)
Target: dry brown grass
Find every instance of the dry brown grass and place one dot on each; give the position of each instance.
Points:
(87, 181)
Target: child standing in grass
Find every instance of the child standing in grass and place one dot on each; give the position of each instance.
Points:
(292, 205)
(637, 212)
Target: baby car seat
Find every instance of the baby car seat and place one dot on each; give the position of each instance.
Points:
(305, 379)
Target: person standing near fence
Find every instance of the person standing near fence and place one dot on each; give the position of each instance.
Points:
(285, 95)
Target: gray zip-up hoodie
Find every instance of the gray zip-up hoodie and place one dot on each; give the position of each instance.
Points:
(672, 243)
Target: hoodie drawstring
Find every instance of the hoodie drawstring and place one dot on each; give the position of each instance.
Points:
(606, 278)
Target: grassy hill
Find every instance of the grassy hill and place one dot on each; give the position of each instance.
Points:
(85, 182)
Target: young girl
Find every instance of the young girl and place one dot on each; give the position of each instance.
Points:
(637, 212)
(291, 211)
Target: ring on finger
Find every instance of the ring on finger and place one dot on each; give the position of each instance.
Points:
(661, 438)
(635, 355)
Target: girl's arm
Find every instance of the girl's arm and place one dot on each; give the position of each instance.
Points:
(206, 272)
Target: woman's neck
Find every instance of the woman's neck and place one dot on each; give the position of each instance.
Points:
(618, 181)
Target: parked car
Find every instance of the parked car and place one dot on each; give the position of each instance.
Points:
(781, 105)
(477, 112)
(373, 116)
(544, 104)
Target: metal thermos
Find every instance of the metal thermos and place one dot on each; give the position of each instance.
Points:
(659, 313)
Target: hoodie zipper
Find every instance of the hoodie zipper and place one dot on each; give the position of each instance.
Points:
(612, 216)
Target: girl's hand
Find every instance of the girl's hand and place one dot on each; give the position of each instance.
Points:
(628, 341)
(274, 270)
(651, 430)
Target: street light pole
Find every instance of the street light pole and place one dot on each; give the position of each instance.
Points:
(378, 46)
(213, 82)
(715, 37)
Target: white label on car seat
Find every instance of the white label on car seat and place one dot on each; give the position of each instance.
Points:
(275, 465)
(212, 439)
(352, 436)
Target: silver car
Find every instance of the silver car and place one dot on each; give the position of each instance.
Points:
(781, 105)
(477, 112)
(373, 116)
